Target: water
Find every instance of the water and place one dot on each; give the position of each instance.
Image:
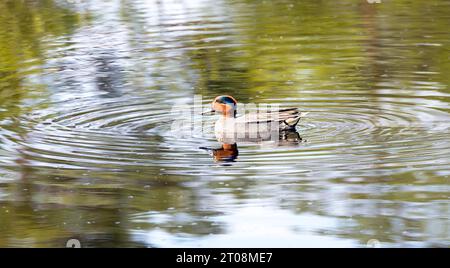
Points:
(88, 90)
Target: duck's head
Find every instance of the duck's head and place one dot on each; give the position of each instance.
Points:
(225, 105)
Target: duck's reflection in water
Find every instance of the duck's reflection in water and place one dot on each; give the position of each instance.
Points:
(229, 152)
(289, 138)
(226, 153)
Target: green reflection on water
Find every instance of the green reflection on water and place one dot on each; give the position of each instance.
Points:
(26, 28)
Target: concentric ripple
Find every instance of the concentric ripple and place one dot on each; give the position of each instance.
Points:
(133, 133)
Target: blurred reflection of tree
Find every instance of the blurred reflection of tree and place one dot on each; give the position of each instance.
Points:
(25, 26)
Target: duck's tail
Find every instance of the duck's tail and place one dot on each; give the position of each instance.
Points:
(290, 123)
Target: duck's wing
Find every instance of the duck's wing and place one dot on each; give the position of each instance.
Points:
(287, 115)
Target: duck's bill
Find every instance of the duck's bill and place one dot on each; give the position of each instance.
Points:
(208, 112)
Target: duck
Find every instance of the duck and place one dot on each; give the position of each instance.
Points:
(255, 126)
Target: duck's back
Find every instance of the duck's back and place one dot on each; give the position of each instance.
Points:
(286, 118)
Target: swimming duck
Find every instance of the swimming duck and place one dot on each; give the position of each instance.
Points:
(259, 126)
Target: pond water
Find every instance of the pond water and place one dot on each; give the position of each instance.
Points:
(88, 91)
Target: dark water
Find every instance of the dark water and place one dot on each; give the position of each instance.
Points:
(87, 150)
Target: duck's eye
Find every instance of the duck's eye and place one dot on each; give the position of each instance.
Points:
(225, 100)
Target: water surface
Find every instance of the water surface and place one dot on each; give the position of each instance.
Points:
(88, 90)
